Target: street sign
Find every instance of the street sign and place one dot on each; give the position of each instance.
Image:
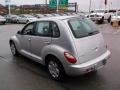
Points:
(63, 4)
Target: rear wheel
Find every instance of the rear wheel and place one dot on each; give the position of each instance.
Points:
(109, 19)
(4, 22)
(101, 20)
(55, 69)
(27, 21)
(13, 49)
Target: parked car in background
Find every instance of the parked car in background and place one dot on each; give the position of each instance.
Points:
(98, 18)
(66, 45)
(74, 13)
(105, 14)
(115, 17)
(14, 18)
(39, 15)
(25, 18)
(55, 14)
(2, 19)
(9, 18)
(48, 15)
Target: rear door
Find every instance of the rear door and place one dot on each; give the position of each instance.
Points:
(41, 39)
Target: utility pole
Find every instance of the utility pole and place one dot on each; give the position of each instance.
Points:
(90, 6)
(57, 6)
(7, 2)
(76, 7)
(9, 11)
(105, 5)
(46, 2)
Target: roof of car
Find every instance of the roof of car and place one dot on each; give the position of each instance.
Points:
(56, 18)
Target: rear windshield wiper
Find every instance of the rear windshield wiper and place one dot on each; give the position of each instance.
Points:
(93, 33)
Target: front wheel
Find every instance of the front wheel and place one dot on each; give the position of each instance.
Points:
(55, 69)
(4, 23)
(13, 49)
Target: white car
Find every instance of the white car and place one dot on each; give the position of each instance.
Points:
(98, 18)
(39, 15)
(2, 19)
(105, 14)
(25, 18)
(115, 17)
(48, 15)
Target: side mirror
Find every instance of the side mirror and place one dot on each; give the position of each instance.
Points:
(29, 31)
(19, 32)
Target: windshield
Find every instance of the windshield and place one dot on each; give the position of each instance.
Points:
(29, 16)
(82, 27)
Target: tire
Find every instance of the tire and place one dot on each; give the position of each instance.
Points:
(55, 69)
(111, 23)
(17, 21)
(3, 23)
(13, 49)
(109, 19)
(101, 20)
(27, 21)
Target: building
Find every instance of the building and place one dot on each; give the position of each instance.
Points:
(3, 10)
(38, 8)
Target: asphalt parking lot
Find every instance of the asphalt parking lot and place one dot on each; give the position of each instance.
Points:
(20, 73)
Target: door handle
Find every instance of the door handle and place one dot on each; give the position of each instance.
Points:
(46, 42)
(29, 39)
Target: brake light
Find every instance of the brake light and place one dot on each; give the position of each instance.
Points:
(70, 57)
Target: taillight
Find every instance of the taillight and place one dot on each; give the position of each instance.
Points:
(70, 57)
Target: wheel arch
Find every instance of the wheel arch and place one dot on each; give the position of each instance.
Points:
(15, 40)
(51, 55)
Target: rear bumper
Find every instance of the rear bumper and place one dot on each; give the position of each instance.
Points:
(89, 66)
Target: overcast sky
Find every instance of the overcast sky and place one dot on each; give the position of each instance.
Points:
(83, 4)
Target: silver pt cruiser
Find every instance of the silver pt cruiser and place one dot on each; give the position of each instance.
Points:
(66, 45)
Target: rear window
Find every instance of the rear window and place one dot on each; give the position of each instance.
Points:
(82, 27)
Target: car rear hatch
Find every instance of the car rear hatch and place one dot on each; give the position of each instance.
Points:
(88, 40)
(89, 48)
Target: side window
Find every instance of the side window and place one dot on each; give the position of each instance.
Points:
(55, 30)
(28, 30)
(43, 29)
